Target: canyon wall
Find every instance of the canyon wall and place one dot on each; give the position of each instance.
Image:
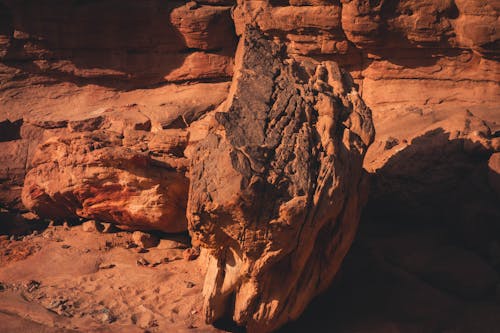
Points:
(416, 63)
(160, 64)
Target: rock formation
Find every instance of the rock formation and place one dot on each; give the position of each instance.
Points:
(276, 187)
(62, 61)
(104, 103)
(111, 168)
(118, 43)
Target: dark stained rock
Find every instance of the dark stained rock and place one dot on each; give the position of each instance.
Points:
(277, 186)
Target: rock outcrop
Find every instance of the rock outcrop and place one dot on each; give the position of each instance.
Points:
(277, 185)
(56, 62)
(103, 103)
(113, 169)
(62, 61)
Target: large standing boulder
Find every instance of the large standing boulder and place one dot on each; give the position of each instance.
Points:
(277, 185)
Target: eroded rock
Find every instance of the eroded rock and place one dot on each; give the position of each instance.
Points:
(277, 185)
(92, 226)
(144, 240)
(112, 171)
(73, 44)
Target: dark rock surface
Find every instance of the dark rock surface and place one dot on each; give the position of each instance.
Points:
(277, 186)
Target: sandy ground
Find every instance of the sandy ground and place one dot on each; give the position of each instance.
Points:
(65, 279)
(394, 279)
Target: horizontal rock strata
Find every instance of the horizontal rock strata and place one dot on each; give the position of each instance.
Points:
(111, 168)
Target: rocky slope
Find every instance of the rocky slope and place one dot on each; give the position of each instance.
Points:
(102, 101)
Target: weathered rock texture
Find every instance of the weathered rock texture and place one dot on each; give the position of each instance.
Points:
(430, 73)
(61, 58)
(111, 168)
(428, 70)
(277, 187)
(441, 51)
(118, 43)
(62, 61)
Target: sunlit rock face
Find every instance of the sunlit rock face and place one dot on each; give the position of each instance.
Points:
(112, 169)
(277, 187)
(63, 60)
(167, 62)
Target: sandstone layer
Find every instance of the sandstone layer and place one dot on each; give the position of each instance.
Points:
(57, 62)
(277, 185)
(62, 61)
(118, 43)
(111, 168)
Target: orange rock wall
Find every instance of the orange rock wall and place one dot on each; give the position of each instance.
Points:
(417, 64)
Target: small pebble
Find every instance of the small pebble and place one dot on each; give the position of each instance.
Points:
(145, 240)
(106, 266)
(32, 285)
(92, 226)
(142, 262)
(167, 244)
(30, 216)
(192, 253)
(107, 316)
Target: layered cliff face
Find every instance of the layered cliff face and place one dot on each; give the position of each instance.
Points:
(414, 62)
(104, 106)
(65, 62)
(141, 43)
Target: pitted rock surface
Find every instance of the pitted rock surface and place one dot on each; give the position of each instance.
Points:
(277, 186)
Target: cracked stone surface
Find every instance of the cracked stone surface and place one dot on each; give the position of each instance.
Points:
(277, 185)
